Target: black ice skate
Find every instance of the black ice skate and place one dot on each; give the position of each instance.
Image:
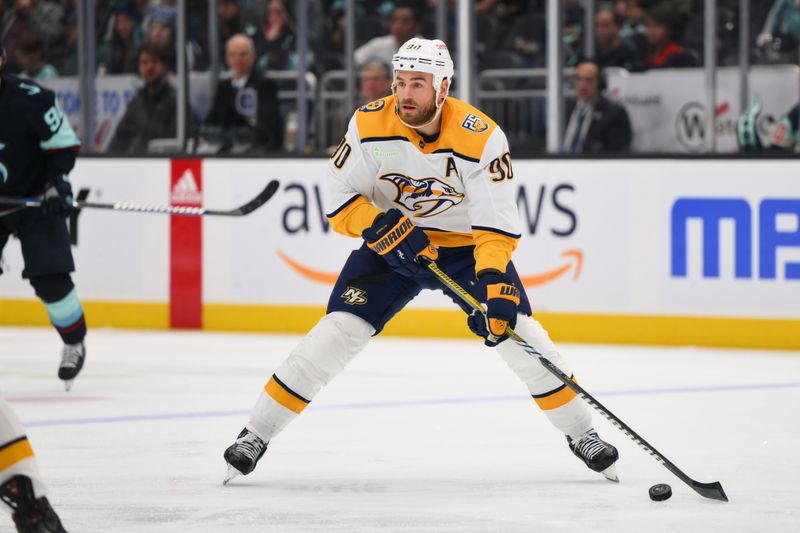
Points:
(598, 455)
(72, 357)
(29, 514)
(243, 455)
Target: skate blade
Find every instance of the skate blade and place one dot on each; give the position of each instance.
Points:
(231, 474)
(610, 474)
(68, 384)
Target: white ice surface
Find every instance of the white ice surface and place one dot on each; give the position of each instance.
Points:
(416, 435)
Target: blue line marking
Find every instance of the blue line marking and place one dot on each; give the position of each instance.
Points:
(408, 403)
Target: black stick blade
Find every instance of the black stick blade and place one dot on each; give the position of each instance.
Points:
(713, 491)
(262, 198)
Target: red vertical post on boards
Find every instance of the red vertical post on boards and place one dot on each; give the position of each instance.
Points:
(186, 246)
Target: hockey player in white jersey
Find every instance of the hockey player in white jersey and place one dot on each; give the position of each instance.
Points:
(22, 491)
(420, 173)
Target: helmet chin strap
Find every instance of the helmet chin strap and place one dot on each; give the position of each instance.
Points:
(435, 117)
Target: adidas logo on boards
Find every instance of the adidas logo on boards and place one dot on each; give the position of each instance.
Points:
(186, 190)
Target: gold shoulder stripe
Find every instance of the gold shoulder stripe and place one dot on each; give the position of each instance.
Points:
(379, 122)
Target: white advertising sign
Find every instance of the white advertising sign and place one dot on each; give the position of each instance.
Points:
(652, 237)
(667, 107)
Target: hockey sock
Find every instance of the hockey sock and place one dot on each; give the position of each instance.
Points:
(63, 306)
(320, 356)
(563, 408)
(16, 453)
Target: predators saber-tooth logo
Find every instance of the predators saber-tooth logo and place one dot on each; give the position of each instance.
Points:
(353, 296)
(377, 105)
(426, 197)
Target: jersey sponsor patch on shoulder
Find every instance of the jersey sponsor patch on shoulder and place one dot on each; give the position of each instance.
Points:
(372, 106)
(475, 124)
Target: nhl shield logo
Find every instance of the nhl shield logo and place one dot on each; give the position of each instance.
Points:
(425, 197)
(475, 124)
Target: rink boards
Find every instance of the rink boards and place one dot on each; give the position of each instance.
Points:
(640, 251)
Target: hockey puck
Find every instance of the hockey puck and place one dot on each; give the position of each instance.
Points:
(660, 492)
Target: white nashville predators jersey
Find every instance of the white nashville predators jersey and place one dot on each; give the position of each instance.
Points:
(458, 187)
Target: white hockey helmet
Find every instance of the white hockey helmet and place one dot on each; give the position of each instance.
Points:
(425, 55)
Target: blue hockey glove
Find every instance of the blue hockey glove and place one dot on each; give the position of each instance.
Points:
(500, 299)
(395, 238)
(58, 197)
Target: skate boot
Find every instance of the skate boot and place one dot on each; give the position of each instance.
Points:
(72, 357)
(598, 455)
(243, 455)
(29, 514)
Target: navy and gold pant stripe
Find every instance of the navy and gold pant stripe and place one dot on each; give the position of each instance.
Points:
(555, 398)
(15, 451)
(285, 396)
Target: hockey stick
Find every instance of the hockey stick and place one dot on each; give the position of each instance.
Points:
(242, 210)
(713, 490)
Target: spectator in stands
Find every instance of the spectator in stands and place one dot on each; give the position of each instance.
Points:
(663, 24)
(63, 54)
(30, 17)
(246, 103)
(117, 54)
(152, 111)
(634, 27)
(230, 22)
(612, 50)
(596, 124)
(404, 24)
(161, 31)
(780, 35)
(30, 56)
(375, 81)
(276, 43)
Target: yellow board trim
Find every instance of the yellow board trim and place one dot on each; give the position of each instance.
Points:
(99, 314)
(15, 453)
(557, 399)
(284, 397)
(661, 330)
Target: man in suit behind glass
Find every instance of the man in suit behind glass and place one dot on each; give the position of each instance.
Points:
(246, 107)
(596, 124)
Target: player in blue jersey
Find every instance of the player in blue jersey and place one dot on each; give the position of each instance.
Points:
(37, 152)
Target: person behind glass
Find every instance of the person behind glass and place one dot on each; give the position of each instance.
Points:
(374, 81)
(405, 23)
(151, 112)
(612, 49)
(245, 100)
(596, 124)
(663, 24)
(276, 43)
(117, 53)
(29, 51)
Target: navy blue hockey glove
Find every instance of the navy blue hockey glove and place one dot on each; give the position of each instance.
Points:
(500, 299)
(395, 238)
(58, 197)
(747, 129)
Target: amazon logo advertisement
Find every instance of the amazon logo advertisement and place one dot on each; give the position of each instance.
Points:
(547, 211)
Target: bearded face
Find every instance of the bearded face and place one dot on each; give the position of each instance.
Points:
(416, 97)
